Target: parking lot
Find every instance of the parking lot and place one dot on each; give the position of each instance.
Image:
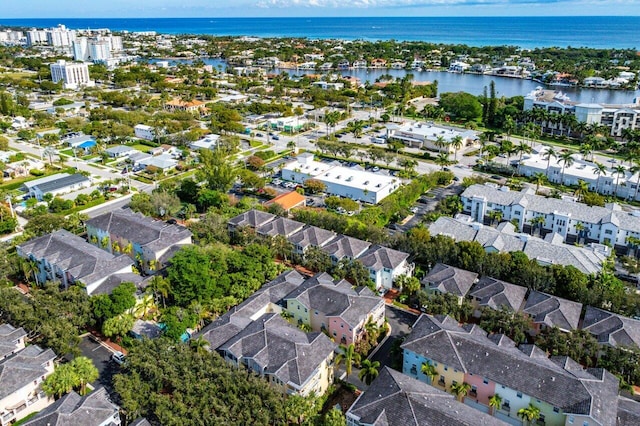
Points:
(101, 358)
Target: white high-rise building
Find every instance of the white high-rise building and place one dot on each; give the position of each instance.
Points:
(74, 75)
(36, 37)
(99, 51)
(81, 49)
(61, 36)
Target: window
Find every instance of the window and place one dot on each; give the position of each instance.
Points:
(446, 368)
(608, 232)
(519, 394)
(485, 381)
(517, 213)
(556, 410)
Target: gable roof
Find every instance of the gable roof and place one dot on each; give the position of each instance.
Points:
(497, 294)
(280, 226)
(611, 329)
(155, 235)
(448, 279)
(559, 381)
(628, 412)
(378, 257)
(287, 200)
(553, 311)
(9, 338)
(23, 368)
(252, 218)
(395, 399)
(72, 409)
(84, 261)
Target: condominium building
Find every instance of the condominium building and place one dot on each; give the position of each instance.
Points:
(571, 220)
(616, 118)
(74, 75)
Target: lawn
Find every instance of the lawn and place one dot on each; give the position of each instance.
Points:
(140, 147)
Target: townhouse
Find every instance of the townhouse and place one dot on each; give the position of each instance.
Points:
(395, 399)
(496, 294)
(335, 307)
(254, 335)
(68, 259)
(505, 238)
(94, 409)
(563, 391)
(21, 376)
(385, 265)
(611, 329)
(151, 243)
(608, 225)
(447, 279)
(547, 311)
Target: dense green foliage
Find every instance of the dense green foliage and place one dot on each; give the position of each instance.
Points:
(172, 384)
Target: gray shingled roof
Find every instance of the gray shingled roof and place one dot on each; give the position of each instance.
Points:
(628, 412)
(345, 246)
(280, 348)
(394, 399)
(84, 261)
(312, 236)
(448, 279)
(155, 235)
(279, 226)
(335, 298)
(611, 329)
(497, 294)
(72, 409)
(252, 218)
(506, 239)
(9, 338)
(23, 368)
(560, 382)
(113, 281)
(553, 311)
(378, 257)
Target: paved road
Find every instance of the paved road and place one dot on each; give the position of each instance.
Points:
(401, 323)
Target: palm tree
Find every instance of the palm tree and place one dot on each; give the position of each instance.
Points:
(281, 247)
(581, 190)
(600, 170)
(619, 170)
(440, 143)
(495, 215)
(199, 345)
(368, 371)
(529, 414)
(523, 148)
(61, 382)
(539, 179)
(634, 243)
(430, 371)
(456, 143)
(349, 356)
(355, 127)
(550, 152)
(85, 371)
(442, 160)
(579, 229)
(495, 402)
(567, 160)
(160, 286)
(460, 390)
(537, 221)
(636, 169)
(586, 150)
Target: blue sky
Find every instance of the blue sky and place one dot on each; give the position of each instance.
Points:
(275, 8)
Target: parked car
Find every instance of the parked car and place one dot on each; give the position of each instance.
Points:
(414, 209)
(118, 357)
(259, 135)
(375, 169)
(275, 137)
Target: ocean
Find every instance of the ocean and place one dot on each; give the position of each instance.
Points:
(527, 32)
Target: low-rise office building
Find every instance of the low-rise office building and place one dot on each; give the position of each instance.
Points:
(60, 183)
(431, 136)
(346, 182)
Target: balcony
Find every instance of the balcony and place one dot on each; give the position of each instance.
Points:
(473, 393)
(6, 418)
(506, 407)
(441, 382)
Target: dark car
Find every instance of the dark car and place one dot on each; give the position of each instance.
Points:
(446, 169)
(496, 177)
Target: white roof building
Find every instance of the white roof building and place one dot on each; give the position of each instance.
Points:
(343, 181)
(426, 135)
(207, 142)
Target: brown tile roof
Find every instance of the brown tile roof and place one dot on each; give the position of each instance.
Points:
(287, 200)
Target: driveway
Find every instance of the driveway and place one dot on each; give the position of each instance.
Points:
(101, 358)
(400, 322)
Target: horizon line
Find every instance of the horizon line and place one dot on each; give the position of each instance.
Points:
(329, 17)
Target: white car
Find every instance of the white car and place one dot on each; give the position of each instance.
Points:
(118, 357)
(413, 210)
